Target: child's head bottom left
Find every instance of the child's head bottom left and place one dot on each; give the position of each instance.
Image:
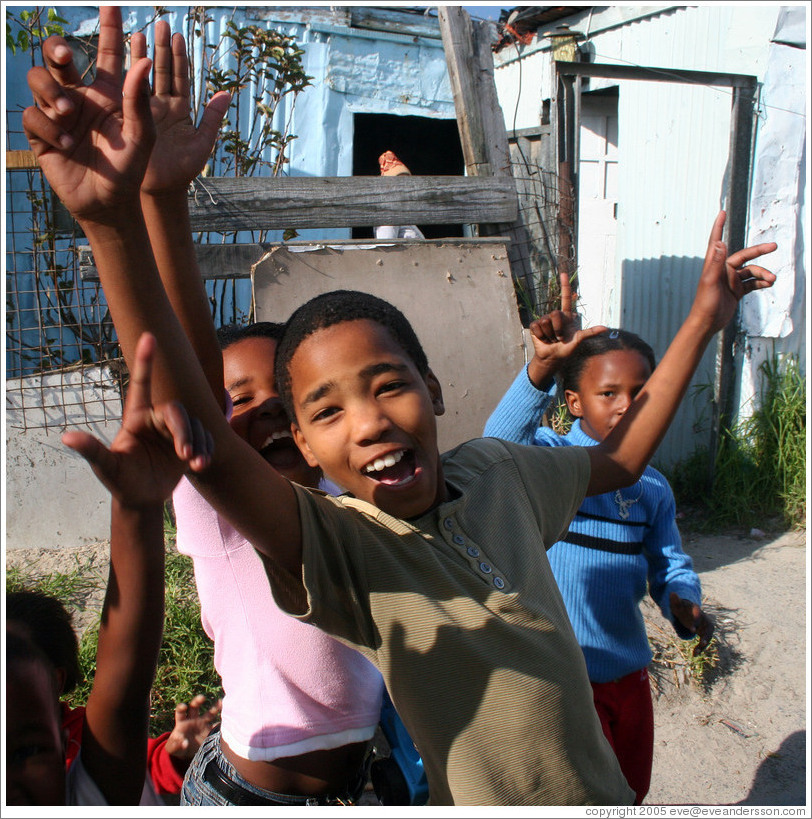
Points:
(35, 756)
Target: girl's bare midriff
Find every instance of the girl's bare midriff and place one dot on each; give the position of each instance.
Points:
(313, 773)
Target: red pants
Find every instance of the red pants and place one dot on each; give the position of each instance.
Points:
(627, 717)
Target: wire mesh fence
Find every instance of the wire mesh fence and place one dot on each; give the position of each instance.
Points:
(63, 363)
(62, 359)
(56, 323)
(545, 245)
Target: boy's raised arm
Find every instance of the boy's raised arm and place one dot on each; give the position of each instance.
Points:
(179, 155)
(140, 469)
(93, 145)
(622, 456)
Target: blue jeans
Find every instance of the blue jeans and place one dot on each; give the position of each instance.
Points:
(198, 790)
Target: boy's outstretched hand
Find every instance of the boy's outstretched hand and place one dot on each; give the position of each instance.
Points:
(91, 141)
(193, 724)
(691, 616)
(555, 337)
(181, 149)
(154, 446)
(725, 280)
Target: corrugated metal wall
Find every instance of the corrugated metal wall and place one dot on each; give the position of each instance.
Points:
(673, 144)
(673, 150)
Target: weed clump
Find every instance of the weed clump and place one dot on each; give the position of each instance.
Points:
(760, 466)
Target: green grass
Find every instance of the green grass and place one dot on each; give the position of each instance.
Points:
(671, 654)
(186, 661)
(760, 470)
(71, 588)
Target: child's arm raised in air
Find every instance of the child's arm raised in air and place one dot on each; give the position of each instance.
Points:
(622, 456)
(179, 155)
(555, 337)
(140, 469)
(94, 156)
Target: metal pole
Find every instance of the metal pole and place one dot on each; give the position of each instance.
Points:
(738, 185)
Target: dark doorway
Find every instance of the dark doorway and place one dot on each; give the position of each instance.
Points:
(428, 147)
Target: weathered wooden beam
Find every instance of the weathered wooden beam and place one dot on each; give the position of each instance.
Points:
(279, 203)
(738, 177)
(649, 74)
(236, 261)
(530, 133)
(394, 21)
(20, 160)
(462, 62)
(481, 124)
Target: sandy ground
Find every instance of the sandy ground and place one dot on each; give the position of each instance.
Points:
(742, 741)
(738, 740)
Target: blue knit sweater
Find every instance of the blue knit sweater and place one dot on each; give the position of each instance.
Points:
(617, 544)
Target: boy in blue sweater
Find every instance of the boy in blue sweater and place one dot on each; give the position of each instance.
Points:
(619, 543)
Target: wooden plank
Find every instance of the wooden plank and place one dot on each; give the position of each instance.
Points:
(725, 384)
(394, 21)
(635, 72)
(20, 160)
(279, 203)
(529, 133)
(458, 42)
(236, 261)
(493, 120)
(482, 124)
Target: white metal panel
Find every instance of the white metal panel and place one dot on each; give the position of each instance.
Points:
(672, 149)
(521, 86)
(597, 206)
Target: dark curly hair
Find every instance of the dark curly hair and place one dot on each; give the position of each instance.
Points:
(230, 334)
(336, 307)
(569, 375)
(22, 652)
(49, 626)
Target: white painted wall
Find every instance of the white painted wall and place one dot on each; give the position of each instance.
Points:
(52, 497)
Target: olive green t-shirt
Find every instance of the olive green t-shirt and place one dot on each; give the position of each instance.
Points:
(460, 611)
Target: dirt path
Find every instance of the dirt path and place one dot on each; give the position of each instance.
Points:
(744, 740)
(741, 741)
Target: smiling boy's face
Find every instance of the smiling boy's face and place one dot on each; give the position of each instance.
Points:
(367, 417)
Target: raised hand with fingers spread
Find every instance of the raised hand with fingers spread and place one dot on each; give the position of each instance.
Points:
(93, 141)
(181, 148)
(726, 280)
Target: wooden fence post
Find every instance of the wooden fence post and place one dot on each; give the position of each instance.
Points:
(482, 125)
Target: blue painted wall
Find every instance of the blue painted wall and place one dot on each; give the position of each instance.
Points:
(354, 70)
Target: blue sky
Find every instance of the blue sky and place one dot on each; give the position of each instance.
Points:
(488, 12)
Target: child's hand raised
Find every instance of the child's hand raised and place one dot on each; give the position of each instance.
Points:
(193, 724)
(154, 446)
(725, 280)
(92, 141)
(555, 337)
(180, 150)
